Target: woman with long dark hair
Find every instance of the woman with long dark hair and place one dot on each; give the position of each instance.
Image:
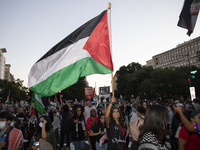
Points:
(44, 130)
(78, 128)
(154, 130)
(115, 125)
(99, 130)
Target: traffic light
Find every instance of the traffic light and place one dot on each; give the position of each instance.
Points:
(193, 73)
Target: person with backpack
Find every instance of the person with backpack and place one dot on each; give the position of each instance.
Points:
(190, 140)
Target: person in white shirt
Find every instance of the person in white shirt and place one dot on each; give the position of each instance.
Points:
(195, 104)
(186, 104)
(88, 108)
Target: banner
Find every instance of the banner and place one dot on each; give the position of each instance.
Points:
(104, 94)
(88, 92)
(192, 93)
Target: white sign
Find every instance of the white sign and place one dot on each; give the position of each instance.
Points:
(104, 94)
(192, 93)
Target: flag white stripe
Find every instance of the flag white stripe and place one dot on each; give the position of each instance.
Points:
(39, 99)
(63, 58)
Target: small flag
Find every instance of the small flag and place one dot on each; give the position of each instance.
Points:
(75, 101)
(189, 14)
(54, 103)
(12, 102)
(17, 103)
(121, 97)
(61, 98)
(84, 52)
(8, 100)
(97, 103)
(38, 103)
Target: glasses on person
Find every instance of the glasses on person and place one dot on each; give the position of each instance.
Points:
(40, 121)
(79, 110)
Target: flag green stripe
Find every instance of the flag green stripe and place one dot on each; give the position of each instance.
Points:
(38, 105)
(68, 76)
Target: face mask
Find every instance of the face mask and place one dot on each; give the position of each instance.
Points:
(40, 124)
(11, 124)
(2, 125)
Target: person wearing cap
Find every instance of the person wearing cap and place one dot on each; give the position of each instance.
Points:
(190, 127)
(190, 140)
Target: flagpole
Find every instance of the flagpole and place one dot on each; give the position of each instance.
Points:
(109, 26)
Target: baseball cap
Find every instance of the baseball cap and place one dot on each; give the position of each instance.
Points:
(193, 113)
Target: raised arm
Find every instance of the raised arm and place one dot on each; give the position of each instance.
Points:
(185, 121)
(107, 115)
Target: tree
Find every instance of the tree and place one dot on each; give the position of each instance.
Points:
(76, 90)
(17, 90)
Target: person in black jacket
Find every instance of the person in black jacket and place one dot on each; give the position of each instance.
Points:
(99, 130)
(115, 126)
(78, 128)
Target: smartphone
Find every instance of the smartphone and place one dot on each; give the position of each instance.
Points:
(36, 143)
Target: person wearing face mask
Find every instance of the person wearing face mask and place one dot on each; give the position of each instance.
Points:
(22, 120)
(10, 138)
(44, 135)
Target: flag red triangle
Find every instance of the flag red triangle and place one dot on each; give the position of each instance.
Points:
(98, 44)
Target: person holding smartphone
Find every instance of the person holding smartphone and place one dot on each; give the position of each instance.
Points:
(44, 135)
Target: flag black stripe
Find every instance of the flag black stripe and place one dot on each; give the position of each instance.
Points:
(80, 33)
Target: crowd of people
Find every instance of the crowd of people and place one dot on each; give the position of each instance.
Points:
(152, 125)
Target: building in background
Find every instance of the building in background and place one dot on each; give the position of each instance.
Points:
(8, 76)
(5, 68)
(181, 55)
(2, 63)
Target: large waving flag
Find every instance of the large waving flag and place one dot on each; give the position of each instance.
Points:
(189, 14)
(84, 52)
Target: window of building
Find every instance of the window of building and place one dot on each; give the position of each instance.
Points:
(172, 56)
(177, 54)
(169, 57)
(198, 46)
(185, 51)
(195, 48)
(192, 50)
(182, 50)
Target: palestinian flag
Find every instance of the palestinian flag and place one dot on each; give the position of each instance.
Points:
(61, 98)
(84, 52)
(52, 103)
(189, 14)
(8, 98)
(38, 103)
(17, 103)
